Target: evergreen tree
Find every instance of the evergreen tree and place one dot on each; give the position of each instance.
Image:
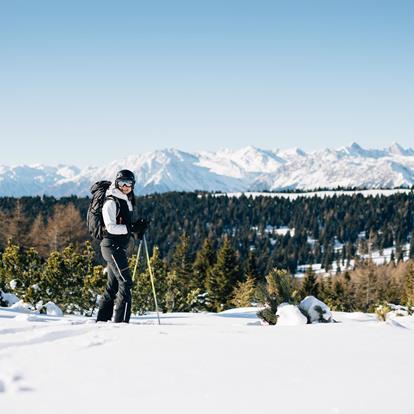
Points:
(244, 293)
(93, 287)
(310, 286)
(21, 272)
(142, 294)
(92, 278)
(182, 294)
(223, 277)
(278, 288)
(251, 266)
(205, 259)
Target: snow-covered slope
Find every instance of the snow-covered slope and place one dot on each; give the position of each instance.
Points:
(205, 363)
(225, 170)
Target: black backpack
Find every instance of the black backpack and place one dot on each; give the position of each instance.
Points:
(94, 217)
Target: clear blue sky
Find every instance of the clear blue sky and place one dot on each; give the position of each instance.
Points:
(86, 82)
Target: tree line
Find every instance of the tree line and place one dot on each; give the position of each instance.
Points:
(213, 280)
(360, 224)
(210, 252)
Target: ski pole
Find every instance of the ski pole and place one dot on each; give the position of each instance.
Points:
(152, 280)
(137, 260)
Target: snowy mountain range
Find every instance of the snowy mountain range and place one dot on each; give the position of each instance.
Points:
(226, 170)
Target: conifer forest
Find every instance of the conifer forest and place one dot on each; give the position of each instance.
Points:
(210, 252)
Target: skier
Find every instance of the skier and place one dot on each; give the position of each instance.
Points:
(117, 213)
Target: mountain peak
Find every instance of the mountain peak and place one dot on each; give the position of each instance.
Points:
(294, 151)
(397, 149)
(226, 169)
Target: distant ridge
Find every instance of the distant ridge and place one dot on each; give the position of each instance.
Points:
(226, 170)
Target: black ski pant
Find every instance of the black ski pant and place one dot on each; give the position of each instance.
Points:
(117, 296)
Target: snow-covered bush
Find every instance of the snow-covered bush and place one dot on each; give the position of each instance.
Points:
(290, 315)
(315, 310)
(52, 309)
(279, 288)
(2, 301)
(8, 299)
(381, 311)
(22, 307)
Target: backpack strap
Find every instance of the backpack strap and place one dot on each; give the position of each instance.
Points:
(118, 205)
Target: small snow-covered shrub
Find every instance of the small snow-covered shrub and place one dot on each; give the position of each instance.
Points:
(279, 288)
(267, 316)
(381, 312)
(315, 310)
(2, 301)
(52, 309)
(22, 307)
(290, 315)
(8, 299)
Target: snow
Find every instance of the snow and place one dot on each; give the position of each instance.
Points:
(21, 306)
(290, 315)
(52, 309)
(9, 298)
(319, 194)
(314, 307)
(205, 363)
(377, 257)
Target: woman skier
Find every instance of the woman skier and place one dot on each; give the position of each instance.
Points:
(117, 213)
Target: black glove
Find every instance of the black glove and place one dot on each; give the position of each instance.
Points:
(139, 228)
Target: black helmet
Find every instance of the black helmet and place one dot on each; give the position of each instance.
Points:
(124, 175)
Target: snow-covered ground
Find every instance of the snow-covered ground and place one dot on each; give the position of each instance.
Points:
(205, 363)
(377, 257)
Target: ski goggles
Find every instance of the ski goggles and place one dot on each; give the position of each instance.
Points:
(127, 183)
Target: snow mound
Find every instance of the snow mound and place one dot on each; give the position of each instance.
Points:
(22, 307)
(9, 298)
(395, 324)
(28, 317)
(290, 315)
(316, 309)
(52, 309)
(12, 383)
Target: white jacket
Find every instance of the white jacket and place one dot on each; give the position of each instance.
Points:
(109, 210)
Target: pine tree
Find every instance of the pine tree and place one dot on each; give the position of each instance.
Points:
(63, 278)
(93, 287)
(142, 294)
(278, 288)
(244, 293)
(222, 278)
(205, 259)
(21, 272)
(251, 266)
(93, 280)
(181, 295)
(310, 286)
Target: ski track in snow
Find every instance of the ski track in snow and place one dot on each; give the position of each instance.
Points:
(204, 363)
